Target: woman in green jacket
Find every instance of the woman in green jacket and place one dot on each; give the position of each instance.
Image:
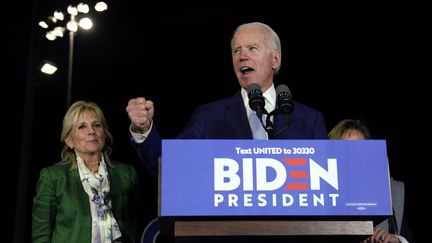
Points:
(86, 197)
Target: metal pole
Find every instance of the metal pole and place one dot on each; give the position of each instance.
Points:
(70, 65)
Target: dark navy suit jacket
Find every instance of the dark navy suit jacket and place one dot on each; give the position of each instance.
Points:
(227, 119)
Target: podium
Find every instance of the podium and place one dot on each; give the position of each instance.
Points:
(304, 190)
(237, 227)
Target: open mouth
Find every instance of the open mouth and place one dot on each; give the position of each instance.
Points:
(246, 69)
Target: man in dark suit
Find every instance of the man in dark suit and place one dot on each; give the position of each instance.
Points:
(256, 57)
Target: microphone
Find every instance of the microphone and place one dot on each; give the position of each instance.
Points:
(257, 104)
(256, 99)
(284, 103)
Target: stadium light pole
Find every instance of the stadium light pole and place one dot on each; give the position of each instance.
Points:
(76, 20)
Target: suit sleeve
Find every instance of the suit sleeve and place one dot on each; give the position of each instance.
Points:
(149, 151)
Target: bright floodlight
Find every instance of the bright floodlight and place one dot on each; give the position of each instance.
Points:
(101, 6)
(72, 10)
(58, 31)
(48, 69)
(72, 26)
(50, 35)
(85, 23)
(83, 8)
(58, 15)
(43, 24)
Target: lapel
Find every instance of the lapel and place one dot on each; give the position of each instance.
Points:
(114, 184)
(280, 126)
(236, 117)
(75, 190)
(279, 123)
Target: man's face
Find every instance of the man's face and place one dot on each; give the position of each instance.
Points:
(253, 58)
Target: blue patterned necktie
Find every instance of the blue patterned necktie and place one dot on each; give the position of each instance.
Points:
(258, 131)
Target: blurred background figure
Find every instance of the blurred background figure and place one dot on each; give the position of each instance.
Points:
(392, 230)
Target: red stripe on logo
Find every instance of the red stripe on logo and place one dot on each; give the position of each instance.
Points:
(298, 174)
(295, 161)
(296, 186)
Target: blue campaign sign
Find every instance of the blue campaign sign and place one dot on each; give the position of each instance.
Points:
(275, 178)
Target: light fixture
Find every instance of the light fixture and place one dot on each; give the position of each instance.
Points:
(48, 68)
(101, 6)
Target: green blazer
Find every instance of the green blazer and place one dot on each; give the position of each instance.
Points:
(61, 207)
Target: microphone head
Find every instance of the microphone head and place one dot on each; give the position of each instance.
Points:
(256, 99)
(284, 99)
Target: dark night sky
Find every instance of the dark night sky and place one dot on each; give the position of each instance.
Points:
(360, 62)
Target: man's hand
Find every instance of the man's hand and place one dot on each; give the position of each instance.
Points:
(140, 112)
